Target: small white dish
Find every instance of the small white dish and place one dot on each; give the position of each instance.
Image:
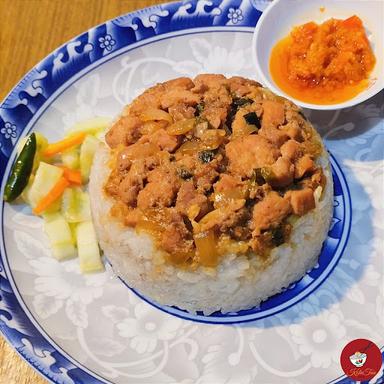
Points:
(281, 16)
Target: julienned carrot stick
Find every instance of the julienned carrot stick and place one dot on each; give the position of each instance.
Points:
(72, 175)
(56, 191)
(62, 145)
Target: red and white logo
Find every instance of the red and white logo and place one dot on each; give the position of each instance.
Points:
(361, 360)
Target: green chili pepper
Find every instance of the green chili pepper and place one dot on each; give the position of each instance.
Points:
(262, 175)
(257, 177)
(267, 174)
(278, 235)
(236, 104)
(185, 174)
(240, 102)
(21, 170)
(199, 108)
(206, 156)
(252, 119)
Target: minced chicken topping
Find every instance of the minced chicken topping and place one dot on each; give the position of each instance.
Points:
(212, 165)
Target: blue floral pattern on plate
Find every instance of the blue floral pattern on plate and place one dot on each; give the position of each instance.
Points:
(107, 42)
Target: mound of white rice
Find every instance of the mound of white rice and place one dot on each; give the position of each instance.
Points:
(238, 283)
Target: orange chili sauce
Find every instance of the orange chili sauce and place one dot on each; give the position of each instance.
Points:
(323, 64)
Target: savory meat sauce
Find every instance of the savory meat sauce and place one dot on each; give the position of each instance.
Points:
(323, 64)
(212, 165)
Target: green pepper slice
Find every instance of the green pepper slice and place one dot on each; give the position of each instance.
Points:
(21, 170)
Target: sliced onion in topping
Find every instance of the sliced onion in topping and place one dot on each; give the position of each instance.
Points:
(213, 217)
(138, 151)
(190, 148)
(213, 138)
(152, 126)
(222, 199)
(206, 247)
(181, 257)
(245, 131)
(181, 127)
(151, 227)
(156, 114)
(200, 128)
(227, 245)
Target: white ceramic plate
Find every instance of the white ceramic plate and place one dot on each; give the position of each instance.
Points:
(93, 329)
